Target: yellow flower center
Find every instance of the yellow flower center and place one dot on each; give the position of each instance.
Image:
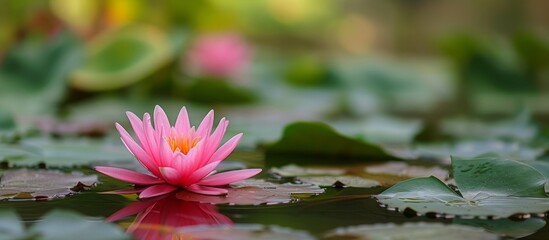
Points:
(183, 143)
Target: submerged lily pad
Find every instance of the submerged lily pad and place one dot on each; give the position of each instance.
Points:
(58, 225)
(314, 142)
(411, 231)
(241, 232)
(255, 192)
(42, 184)
(403, 169)
(489, 186)
(340, 181)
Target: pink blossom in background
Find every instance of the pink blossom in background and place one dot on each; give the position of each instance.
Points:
(178, 156)
(221, 55)
(158, 218)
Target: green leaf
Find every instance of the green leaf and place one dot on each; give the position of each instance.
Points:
(42, 184)
(411, 231)
(68, 152)
(33, 75)
(61, 224)
(241, 232)
(255, 192)
(507, 227)
(307, 140)
(518, 128)
(58, 225)
(543, 168)
(206, 90)
(497, 177)
(340, 181)
(123, 58)
(467, 148)
(488, 186)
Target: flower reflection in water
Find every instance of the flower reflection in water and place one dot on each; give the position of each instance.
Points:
(158, 218)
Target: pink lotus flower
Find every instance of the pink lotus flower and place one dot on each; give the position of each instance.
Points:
(222, 55)
(159, 218)
(178, 156)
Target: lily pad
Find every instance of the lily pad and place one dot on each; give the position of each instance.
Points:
(411, 231)
(122, 58)
(241, 232)
(513, 150)
(255, 192)
(314, 142)
(519, 128)
(27, 184)
(340, 181)
(543, 168)
(403, 169)
(69, 152)
(58, 225)
(489, 186)
(33, 75)
(506, 227)
(292, 170)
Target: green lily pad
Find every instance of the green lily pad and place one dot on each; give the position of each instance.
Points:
(58, 225)
(513, 150)
(403, 169)
(205, 90)
(506, 227)
(340, 181)
(543, 168)
(292, 170)
(411, 231)
(519, 128)
(255, 192)
(33, 76)
(314, 142)
(241, 232)
(27, 184)
(69, 152)
(123, 58)
(489, 186)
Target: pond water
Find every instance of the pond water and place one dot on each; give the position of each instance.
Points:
(313, 216)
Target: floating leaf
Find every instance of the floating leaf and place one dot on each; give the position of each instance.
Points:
(513, 150)
(33, 75)
(254, 192)
(292, 170)
(489, 187)
(384, 129)
(313, 142)
(241, 232)
(507, 227)
(218, 91)
(69, 152)
(42, 184)
(340, 181)
(411, 231)
(543, 168)
(519, 128)
(123, 58)
(58, 225)
(403, 169)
